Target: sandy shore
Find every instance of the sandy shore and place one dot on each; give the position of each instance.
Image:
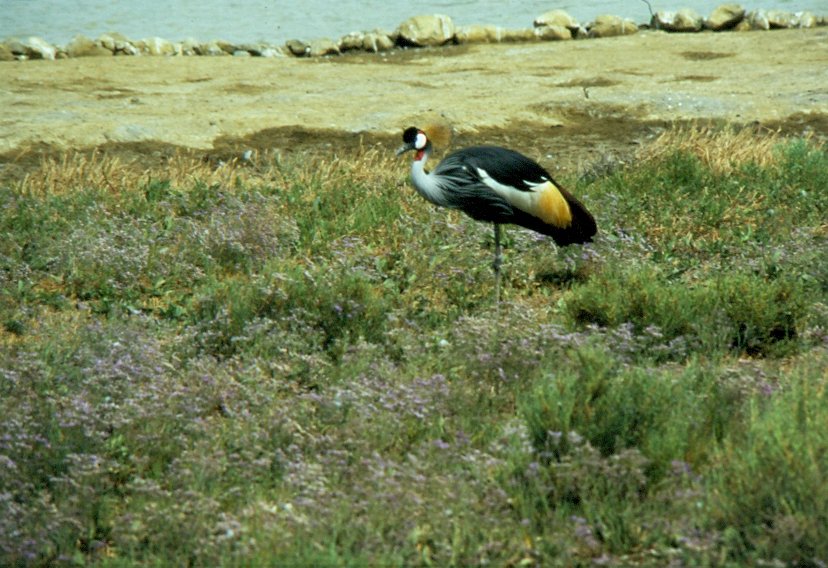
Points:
(553, 98)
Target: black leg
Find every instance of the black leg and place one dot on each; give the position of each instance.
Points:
(498, 260)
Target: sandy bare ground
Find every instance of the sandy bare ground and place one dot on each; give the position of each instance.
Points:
(567, 100)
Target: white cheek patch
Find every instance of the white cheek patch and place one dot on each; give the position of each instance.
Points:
(421, 141)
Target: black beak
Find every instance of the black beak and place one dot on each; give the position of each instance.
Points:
(404, 148)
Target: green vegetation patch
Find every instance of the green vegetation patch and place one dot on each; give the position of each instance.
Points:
(244, 364)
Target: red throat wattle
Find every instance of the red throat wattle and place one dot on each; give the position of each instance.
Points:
(419, 155)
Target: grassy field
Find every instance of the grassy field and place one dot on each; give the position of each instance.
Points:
(297, 361)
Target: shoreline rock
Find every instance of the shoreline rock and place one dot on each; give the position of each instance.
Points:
(417, 32)
(426, 31)
(560, 18)
(609, 26)
(725, 17)
(685, 20)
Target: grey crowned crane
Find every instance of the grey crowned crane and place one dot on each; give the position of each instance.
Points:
(498, 185)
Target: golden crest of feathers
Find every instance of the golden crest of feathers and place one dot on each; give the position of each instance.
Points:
(439, 133)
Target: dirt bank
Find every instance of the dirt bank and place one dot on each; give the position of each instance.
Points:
(567, 100)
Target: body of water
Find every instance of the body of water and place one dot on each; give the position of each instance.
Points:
(275, 21)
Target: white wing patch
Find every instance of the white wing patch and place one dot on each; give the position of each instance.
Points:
(543, 199)
(524, 200)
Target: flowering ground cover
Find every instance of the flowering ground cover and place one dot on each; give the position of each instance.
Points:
(295, 360)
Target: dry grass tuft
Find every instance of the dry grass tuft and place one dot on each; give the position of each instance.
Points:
(721, 149)
(75, 171)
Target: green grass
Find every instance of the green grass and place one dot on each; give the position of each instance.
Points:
(298, 362)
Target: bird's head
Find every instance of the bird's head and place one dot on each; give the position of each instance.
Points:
(414, 139)
(421, 140)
